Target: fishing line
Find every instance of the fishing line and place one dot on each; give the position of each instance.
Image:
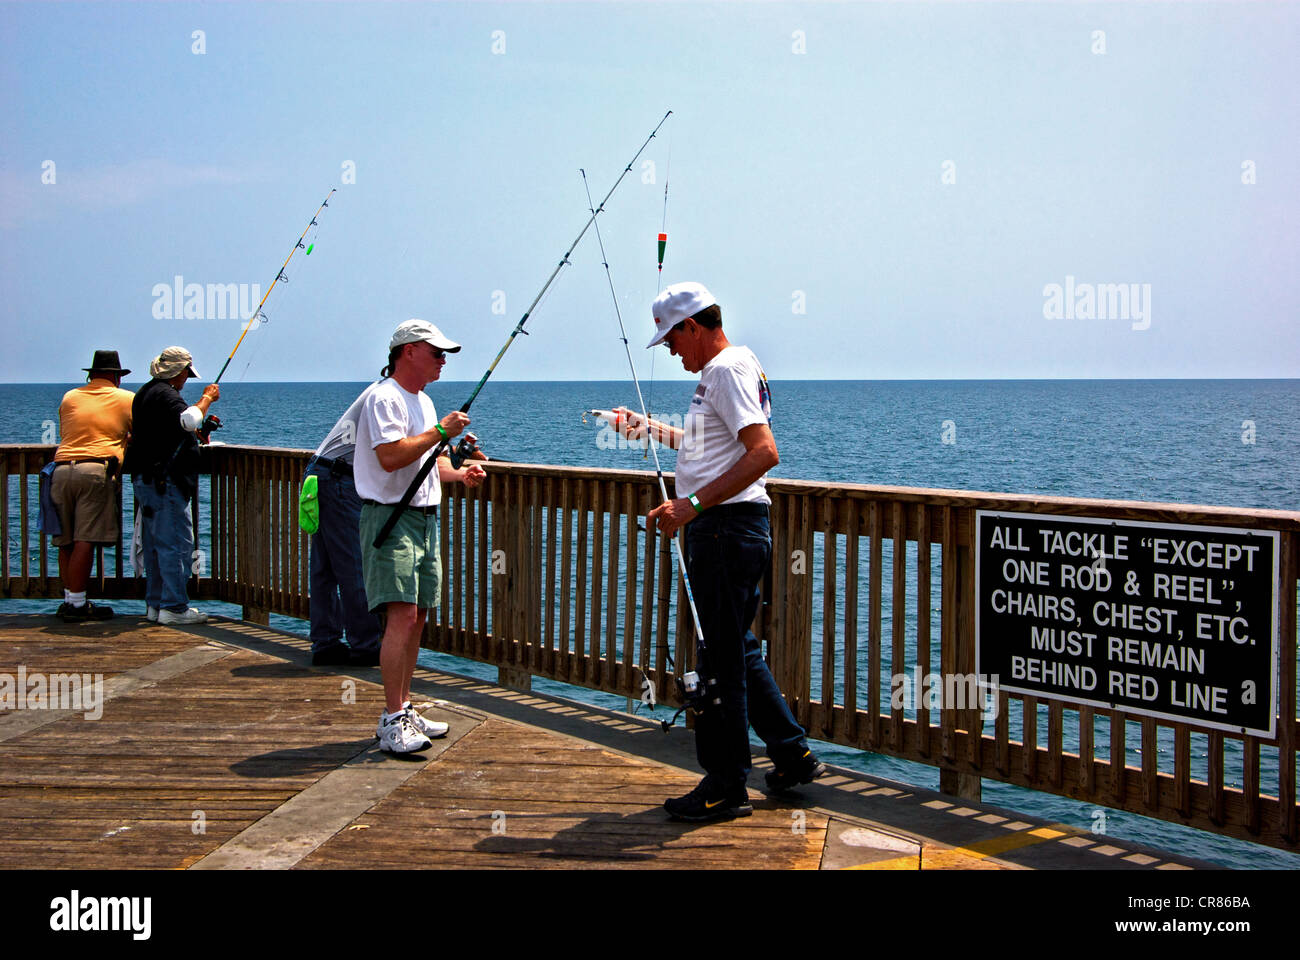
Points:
(298, 245)
(651, 446)
(431, 461)
(259, 328)
(663, 244)
(663, 228)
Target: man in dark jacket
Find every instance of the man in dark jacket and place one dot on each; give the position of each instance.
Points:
(163, 461)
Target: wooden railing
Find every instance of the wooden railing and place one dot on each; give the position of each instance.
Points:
(29, 560)
(549, 572)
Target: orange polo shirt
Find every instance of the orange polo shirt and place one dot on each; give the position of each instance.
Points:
(94, 421)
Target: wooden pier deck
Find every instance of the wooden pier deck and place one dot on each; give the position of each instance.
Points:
(219, 747)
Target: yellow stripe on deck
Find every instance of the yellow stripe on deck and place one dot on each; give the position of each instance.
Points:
(970, 856)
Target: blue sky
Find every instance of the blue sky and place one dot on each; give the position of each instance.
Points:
(810, 179)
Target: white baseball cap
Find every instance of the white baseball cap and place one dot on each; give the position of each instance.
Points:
(414, 331)
(677, 302)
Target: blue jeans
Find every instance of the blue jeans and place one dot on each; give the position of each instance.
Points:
(726, 557)
(338, 593)
(168, 545)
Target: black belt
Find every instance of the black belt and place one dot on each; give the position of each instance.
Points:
(338, 467)
(750, 509)
(427, 511)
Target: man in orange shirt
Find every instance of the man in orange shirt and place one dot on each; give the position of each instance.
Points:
(94, 422)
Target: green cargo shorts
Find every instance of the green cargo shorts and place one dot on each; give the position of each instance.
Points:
(407, 568)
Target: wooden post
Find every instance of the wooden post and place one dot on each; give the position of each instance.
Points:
(25, 557)
(548, 627)
(898, 621)
(967, 786)
(492, 573)
(801, 612)
(830, 550)
(923, 624)
(874, 630)
(486, 587)
(516, 678)
(1286, 738)
(853, 530)
(252, 536)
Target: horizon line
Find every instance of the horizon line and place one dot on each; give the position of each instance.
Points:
(57, 383)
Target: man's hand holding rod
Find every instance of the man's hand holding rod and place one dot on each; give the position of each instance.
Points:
(401, 453)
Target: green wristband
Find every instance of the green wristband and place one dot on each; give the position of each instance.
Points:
(442, 431)
(695, 502)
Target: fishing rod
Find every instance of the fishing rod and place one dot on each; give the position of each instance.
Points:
(690, 684)
(298, 245)
(432, 460)
(663, 243)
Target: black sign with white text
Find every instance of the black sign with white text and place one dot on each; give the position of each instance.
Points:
(1163, 620)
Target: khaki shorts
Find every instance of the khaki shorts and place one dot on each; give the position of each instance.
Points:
(87, 502)
(407, 568)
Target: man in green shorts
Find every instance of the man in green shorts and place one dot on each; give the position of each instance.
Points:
(397, 430)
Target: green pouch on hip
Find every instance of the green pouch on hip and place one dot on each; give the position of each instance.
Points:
(309, 505)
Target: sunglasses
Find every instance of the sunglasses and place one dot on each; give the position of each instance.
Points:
(676, 328)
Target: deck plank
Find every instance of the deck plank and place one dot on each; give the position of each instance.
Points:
(511, 796)
(222, 740)
(233, 739)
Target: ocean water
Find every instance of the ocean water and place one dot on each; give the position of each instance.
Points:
(1221, 442)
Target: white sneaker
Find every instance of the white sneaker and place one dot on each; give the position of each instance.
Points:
(151, 614)
(188, 615)
(397, 735)
(433, 729)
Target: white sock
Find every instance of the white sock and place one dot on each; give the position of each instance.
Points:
(76, 599)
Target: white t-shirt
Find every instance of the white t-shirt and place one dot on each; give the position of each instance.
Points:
(732, 394)
(340, 442)
(390, 413)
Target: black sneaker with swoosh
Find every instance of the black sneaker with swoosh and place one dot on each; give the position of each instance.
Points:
(709, 801)
(804, 770)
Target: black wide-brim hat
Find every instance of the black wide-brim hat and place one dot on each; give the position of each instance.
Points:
(105, 361)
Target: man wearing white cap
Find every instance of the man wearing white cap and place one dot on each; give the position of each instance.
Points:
(163, 460)
(726, 447)
(397, 430)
